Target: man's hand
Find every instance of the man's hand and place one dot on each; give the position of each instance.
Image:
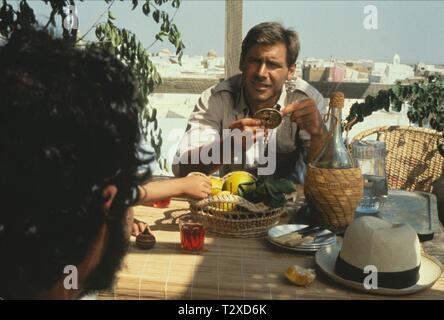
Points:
(252, 126)
(307, 116)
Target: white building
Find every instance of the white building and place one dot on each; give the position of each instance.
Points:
(192, 66)
(215, 66)
(428, 69)
(389, 73)
(317, 63)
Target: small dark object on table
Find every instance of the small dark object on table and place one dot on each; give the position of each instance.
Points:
(308, 214)
(145, 240)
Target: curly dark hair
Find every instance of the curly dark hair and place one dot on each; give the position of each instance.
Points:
(272, 33)
(69, 127)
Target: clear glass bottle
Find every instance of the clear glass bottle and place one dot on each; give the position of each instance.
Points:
(335, 155)
(370, 156)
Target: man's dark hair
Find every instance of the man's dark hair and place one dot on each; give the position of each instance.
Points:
(69, 127)
(271, 33)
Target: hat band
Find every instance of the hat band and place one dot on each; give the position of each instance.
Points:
(389, 280)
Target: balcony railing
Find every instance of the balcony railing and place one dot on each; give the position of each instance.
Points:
(352, 90)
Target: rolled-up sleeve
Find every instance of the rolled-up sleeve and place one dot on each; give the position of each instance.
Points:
(203, 128)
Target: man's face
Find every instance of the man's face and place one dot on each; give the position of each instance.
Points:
(264, 72)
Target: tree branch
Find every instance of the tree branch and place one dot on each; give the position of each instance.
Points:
(50, 19)
(97, 21)
(154, 42)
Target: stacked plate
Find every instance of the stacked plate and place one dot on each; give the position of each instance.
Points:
(317, 240)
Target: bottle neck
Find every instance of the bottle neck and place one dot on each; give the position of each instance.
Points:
(335, 122)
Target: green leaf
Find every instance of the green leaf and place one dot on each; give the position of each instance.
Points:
(154, 114)
(398, 106)
(276, 201)
(146, 8)
(244, 187)
(271, 189)
(155, 124)
(156, 15)
(135, 3)
(284, 186)
(111, 16)
(99, 33)
(159, 37)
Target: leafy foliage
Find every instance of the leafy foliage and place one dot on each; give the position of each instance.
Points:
(425, 101)
(120, 41)
(270, 191)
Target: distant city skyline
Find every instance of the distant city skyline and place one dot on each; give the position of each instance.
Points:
(412, 29)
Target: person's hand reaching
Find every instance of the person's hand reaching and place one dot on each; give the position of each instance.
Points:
(195, 186)
(138, 227)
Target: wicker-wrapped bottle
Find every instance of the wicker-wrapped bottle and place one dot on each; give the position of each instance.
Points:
(333, 184)
(334, 154)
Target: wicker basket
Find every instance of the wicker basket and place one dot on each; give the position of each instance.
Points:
(233, 216)
(413, 162)
(335, 193)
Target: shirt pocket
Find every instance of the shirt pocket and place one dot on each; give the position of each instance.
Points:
(285, 136)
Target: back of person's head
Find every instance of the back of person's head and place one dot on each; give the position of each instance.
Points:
(69, 128)
(271, 33)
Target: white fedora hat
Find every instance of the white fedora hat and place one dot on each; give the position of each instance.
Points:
(387, 254)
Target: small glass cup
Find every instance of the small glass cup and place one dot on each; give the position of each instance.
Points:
(165, 203)
(162, 203)
(192, 232)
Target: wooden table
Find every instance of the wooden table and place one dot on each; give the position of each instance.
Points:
(229, 268)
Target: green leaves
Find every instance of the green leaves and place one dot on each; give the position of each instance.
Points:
(270, 191)
(425, 100)
(119, 41)
(146, 9)
(156, 15)
(11, 20)
(282, 185)
(135, 4)
(111, 16)
(7, 23)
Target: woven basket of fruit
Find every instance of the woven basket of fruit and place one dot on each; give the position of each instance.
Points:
(243, 206)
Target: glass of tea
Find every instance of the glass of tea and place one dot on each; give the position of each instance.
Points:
(192, 232)
(165, 203)
(162, 203)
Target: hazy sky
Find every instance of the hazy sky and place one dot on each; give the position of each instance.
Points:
(413, 29)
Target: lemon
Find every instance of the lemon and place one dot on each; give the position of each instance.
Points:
(216, 185)
(239, 182)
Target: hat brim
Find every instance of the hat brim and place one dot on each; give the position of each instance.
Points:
(429, 272)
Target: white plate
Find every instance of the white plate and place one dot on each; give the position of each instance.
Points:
(304, 247)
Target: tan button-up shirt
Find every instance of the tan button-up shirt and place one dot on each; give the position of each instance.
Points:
(222, 104)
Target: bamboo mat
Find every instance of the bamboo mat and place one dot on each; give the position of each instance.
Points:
(228, 268)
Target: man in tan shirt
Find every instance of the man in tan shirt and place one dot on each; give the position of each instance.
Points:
(268, 64)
